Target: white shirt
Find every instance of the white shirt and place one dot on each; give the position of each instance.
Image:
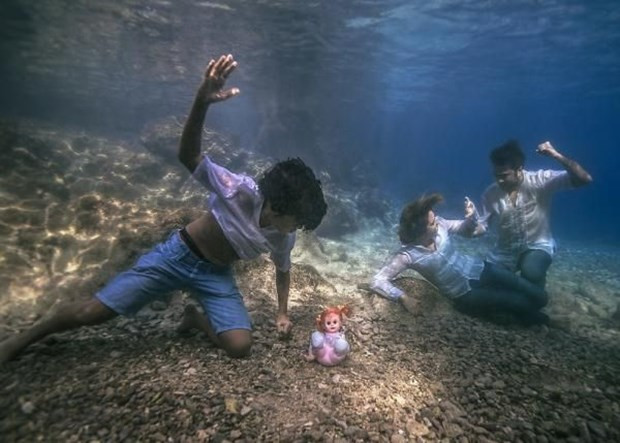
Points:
(445, 267)
(236, 204)
(524, 225)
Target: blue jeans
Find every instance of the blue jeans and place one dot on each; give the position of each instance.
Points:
(534, 264)
(500, 289)
(171, 266)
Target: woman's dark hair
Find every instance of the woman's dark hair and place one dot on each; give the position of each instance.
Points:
(292, 189)
(413, 218)
(508, 154)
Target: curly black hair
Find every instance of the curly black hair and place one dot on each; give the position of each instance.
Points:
(292, 189)
(508, 154)
(413, 220)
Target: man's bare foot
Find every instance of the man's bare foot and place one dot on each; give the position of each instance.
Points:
(191, 319)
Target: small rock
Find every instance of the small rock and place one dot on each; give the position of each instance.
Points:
(158, 436)
(584, 432)
(316, 435)
(232, 407)
(498, 384)
(353, 431)
(527, 391)
(452, 430)
(27, 407)
(479, 430)
(597, 428)
(490, 395)
(415, 428)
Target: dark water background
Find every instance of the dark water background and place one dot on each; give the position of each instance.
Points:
(410, 95)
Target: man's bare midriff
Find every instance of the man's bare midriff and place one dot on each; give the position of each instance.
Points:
(209, 238)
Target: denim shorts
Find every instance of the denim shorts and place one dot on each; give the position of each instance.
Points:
(171, 266)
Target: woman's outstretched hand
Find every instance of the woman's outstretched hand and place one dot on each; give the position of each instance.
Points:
(470, 208)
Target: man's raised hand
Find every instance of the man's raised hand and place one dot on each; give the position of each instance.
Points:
(547, 149)
(215, 76)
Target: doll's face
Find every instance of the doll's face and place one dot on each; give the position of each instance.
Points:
(332, 323)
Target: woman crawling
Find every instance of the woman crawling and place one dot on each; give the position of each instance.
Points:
(474, 286)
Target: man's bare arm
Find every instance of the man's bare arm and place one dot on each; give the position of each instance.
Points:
(283, 283)
(210, 91)
(578, 175)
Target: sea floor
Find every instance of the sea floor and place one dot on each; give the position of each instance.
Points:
(75, 209)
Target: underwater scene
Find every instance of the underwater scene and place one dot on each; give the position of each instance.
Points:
(291, 221)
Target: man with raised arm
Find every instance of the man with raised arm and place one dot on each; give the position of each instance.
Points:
(244, 219)
(518, 204)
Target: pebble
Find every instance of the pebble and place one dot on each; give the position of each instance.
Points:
(415, 428)
(190, 371)
(355, 431)
(498, 384)
(452, 430)
(597, 428)
(527, 391)
(27, 407)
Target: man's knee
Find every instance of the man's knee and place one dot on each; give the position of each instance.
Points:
(236, 343)
(91, 312)
(238, 349)
(534, 275)
(534, 266)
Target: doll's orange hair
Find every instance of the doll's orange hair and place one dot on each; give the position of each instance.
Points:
(341, 311)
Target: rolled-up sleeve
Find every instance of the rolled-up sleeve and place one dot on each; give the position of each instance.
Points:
(465, 227)
(550, 181)
(217, 178)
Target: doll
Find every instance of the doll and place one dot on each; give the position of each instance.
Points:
(328, 344)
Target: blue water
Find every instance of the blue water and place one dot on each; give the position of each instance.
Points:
(413, 94)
